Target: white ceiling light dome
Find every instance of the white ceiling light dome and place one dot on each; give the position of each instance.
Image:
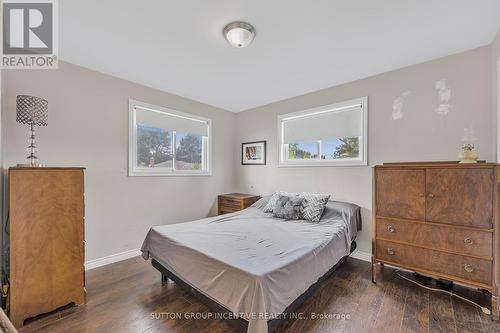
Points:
(239, 34)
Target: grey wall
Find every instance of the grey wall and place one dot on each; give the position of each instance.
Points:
(3, 199)
(88, 126)
(422, 135)
(495, 88)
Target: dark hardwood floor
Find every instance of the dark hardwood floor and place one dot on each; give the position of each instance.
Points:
(129, 297)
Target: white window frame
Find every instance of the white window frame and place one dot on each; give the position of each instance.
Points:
(134, 170)
(362, 160)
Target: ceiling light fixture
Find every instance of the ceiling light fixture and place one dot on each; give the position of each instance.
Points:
(239, 34)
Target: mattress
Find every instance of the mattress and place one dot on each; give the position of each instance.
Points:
(253, 264)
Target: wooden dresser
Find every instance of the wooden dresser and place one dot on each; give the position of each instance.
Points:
(46, 235)
(233, 202)
(440, 220)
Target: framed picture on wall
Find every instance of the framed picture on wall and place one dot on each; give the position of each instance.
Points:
(253, 153)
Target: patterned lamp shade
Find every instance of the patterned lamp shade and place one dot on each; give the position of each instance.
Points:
(32, 110)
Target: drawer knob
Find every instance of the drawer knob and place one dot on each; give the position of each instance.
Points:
(430, 195)
(390, 251)
(468, 268)
(468, 240)
(391, 228)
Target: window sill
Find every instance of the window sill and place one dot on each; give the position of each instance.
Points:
(322, 164)
(168, 174)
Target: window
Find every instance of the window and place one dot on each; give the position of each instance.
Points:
(329, 135)
(165, 142)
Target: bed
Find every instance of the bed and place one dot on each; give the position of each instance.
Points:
(250, 266)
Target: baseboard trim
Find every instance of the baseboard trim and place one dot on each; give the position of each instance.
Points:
(111, 259)
(365, 256)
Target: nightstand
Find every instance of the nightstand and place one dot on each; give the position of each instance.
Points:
(233, 202)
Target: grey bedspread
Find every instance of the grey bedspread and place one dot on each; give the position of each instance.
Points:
(250, 262)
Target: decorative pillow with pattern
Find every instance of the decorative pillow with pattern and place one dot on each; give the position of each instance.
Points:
(313, 206)
(288, 207)
(272, 201)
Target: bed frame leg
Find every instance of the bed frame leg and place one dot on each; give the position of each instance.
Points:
(164, 278)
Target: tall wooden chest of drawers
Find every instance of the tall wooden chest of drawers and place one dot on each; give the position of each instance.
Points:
(440, 220)
(46, 236)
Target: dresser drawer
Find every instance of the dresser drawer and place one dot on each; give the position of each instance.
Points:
(466, 268)
(445, 238)
(227, 210)
(230, 202)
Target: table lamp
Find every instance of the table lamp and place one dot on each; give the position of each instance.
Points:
(33, 111)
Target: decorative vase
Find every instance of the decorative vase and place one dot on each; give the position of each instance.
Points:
(468, 154)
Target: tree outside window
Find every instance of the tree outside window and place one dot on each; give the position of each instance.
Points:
(189, 152)
(154, 147)
(348, 149)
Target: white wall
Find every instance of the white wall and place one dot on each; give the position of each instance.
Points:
(421, 135)
(88, 126)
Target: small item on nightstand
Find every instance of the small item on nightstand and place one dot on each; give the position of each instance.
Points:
(233, 202)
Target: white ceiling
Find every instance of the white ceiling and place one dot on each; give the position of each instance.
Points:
(301, 46)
